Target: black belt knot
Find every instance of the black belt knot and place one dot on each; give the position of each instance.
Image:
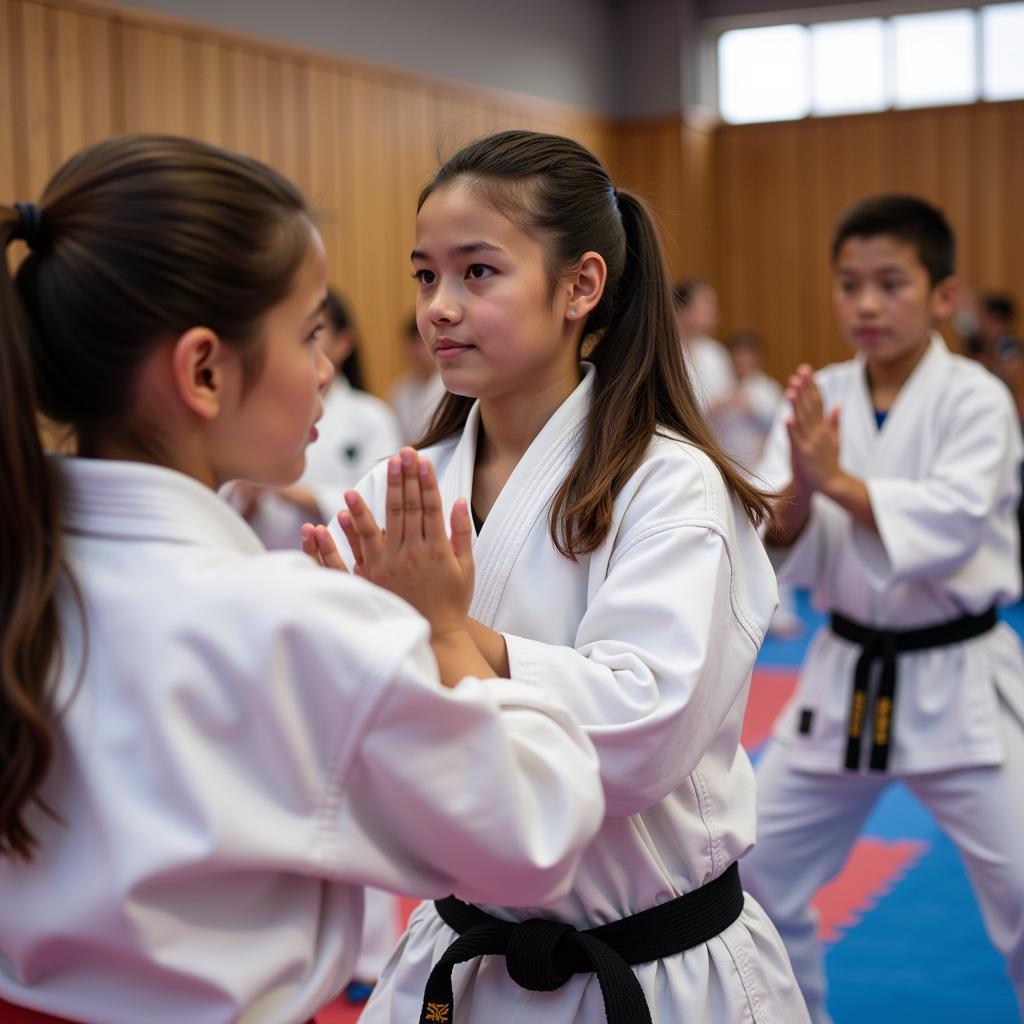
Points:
(537, 955)
(542, 955)
(883, 646)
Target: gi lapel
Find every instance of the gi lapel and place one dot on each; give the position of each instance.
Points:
(873, 452)
(525, 498)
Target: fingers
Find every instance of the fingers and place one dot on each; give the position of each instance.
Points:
(805, 399)
(327, 549)
(433, 510)
(319, 545)
(412, 500)
(393, 500)
(371, 540)
(309, 545)
(462, 537)
(344, 518)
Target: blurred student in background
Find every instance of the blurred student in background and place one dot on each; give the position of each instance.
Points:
(741, 422)
(418, 392)
(707, 361)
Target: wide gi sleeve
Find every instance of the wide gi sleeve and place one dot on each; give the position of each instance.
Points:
(931, 526)
(357, 765)
(668, 639)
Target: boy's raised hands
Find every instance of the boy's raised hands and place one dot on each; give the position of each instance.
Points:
(813, 434)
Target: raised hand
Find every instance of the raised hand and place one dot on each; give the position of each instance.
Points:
(413, 556)
(319, 545)
(813, 435)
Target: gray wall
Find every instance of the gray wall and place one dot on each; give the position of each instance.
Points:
(558, 49)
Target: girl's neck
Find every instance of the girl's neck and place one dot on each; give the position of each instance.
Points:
(126, 445)
(509, 424)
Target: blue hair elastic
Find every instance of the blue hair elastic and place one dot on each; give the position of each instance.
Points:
(30, 224)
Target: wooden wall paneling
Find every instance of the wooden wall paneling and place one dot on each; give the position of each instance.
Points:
(1014, 129)
(154, 80)
(342, 179)
(824, 206)
(992, 199)
(376, 216)
(34, 52)
(251, 71)
(10, 142)
(322, 191)
(957, 181)
(207, 91)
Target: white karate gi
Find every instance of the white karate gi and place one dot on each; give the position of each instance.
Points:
(942, 473)
(650, 641)
(251, 740)
(414, 401)
(742, 426)
(356, 431)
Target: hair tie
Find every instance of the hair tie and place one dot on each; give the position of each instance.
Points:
(30, 224)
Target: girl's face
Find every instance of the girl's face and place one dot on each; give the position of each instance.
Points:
(484, 307)
(268, 427)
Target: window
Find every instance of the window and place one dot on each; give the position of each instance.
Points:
(848, 61)
(783, 72)
(763, 74)
(1002, 51)
(934, 61)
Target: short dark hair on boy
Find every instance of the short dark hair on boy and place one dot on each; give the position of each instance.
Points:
(908, 219)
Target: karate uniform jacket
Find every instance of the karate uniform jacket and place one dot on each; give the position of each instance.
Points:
(246, 741)
(943, 477)
(650, 641)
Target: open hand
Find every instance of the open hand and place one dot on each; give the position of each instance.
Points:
(318, 543)
(412, 556)
(813, 435)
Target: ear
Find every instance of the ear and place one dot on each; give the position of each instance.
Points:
(198, 362)
(586, 286)
(944, 298)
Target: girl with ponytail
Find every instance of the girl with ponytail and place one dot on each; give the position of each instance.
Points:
(208, 750)
(619, 567)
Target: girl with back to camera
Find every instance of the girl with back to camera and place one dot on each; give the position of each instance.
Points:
(618, 565)
(206, 750)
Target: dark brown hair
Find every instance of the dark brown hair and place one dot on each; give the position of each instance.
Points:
(557, 191)
(908, 219)
(135, 239)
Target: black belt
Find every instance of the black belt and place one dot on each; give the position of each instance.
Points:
(542, 955)
(883, 645)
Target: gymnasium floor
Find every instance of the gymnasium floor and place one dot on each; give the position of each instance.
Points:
(905, 941)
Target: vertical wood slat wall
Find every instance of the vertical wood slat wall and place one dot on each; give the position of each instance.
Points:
(749, 207)
(359, 141)
(781, 188)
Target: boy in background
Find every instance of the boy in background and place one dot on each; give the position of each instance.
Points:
(900, 474)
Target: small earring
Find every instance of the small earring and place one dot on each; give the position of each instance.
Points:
(572, 312)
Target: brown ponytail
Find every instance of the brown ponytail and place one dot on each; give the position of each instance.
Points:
(29, 570)
(559, 191)
(135, 239)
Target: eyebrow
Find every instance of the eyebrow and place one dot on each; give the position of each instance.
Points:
(319, 309)
(469, 249)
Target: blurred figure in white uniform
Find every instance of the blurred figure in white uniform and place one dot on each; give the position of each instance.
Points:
(418, 392)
